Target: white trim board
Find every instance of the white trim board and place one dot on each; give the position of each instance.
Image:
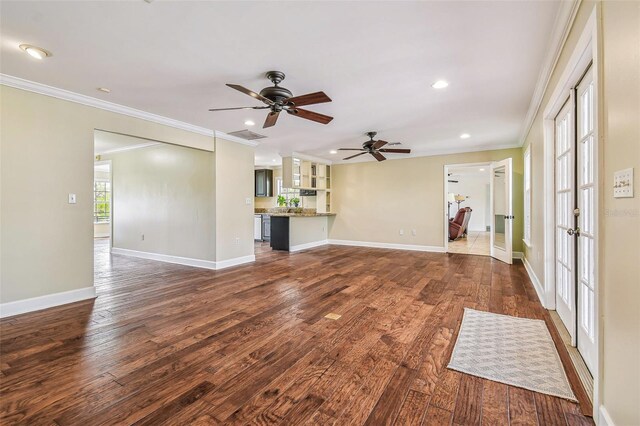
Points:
(588, 50)
(392, 246)
(187, 261)
(604, 419)
(537, 285)
(305, 246)
(23, 306)
(221, 264)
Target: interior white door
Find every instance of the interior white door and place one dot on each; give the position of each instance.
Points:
(587, 219)
(501, 210)
(565, 219)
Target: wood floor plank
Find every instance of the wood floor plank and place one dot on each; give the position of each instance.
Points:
(172, 344)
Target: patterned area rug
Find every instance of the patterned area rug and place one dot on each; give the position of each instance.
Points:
(511, 350)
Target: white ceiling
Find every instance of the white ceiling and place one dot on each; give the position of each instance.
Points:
(376, 60)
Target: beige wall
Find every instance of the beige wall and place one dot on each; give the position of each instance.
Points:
(44, 133)
(305, 230)
(373, 200)
(619, 242)
(619, 289)
(234, 186)
(166, 193)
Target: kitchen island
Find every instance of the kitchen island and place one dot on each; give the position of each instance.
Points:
(297, 229)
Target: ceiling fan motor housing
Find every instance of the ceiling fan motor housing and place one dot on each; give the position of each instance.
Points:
(276, 93)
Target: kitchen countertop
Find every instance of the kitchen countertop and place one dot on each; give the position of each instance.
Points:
(299, 214)
(291, 212)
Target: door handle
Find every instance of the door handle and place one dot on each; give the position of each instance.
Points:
(575, 232)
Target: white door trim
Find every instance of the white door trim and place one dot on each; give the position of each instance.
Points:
(587, 50)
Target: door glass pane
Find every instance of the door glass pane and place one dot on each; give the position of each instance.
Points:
(499, 207)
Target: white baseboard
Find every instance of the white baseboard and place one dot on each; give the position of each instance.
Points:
(412, 247)
(536, 282)
(18, 307)
(306, 246)
(187, 261)
(517, 255)
(221, 264)
(199, 263)
(604, 419)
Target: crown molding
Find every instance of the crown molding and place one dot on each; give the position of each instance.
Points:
(222, 135)
(43, 89)
(561, 28)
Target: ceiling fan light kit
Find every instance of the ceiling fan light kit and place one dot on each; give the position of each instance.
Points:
(277, 99)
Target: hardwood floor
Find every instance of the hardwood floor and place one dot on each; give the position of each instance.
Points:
(170, 344)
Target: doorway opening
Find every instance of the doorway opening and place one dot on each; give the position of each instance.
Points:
(468, 193)
(500, 227)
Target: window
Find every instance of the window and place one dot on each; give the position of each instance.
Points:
(288, 193)
(527, 197)
(101, 201)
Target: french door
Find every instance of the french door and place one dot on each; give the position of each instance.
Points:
(576, 217)
(501, 210)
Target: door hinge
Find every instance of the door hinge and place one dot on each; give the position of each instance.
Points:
(576, 212)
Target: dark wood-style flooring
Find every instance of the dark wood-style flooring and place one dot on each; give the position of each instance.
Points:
(170, 344)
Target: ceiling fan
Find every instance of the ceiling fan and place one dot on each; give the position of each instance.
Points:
(278, 99)
(375, 148)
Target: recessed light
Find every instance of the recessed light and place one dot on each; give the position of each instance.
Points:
(103, 89)
(250, 123)
(35, 51)
(440, 84)
(274, 160)
(482, 170)
(333, 151)
(465, 136)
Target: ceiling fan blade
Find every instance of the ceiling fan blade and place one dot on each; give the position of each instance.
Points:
(396, 150)
(308, 99)
(272, 117)
(379, 144)
(250, 93)
(378, 156)
(310, 115)
(354, 156)
(230, 109)
(351, 149)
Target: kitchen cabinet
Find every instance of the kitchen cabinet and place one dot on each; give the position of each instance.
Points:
(299, 173)
(264, 183)
(280, 233)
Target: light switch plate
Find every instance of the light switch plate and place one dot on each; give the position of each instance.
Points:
(72, 198)
(623, 183)
(247, 201)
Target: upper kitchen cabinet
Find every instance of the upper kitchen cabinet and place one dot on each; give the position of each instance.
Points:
(264, 183)
(305, 174)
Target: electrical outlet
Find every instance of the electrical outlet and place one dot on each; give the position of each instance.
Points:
(402, 232)
(72, 198)
(413, 232)
(237, 241)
